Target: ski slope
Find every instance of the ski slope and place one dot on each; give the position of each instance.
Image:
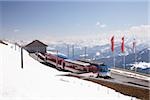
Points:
(39, 82)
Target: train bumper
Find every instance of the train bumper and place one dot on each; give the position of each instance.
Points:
(104, 74)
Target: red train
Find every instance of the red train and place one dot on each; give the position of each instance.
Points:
(75, 66)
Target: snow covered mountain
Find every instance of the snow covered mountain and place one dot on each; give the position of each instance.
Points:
(96, 49)
(37, 81)
(141, 56)
(100, 51)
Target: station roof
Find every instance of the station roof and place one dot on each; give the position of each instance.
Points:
(36, 42)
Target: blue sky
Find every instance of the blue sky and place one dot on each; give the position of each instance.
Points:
(31, 20)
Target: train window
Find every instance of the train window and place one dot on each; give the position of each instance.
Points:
(103, 68)
(63, 64)
(59, 61)
(102, 65)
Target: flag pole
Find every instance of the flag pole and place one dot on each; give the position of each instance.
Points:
(112, 49)
(124, 61)
(123, 52)
(134, 51)
(114, 59)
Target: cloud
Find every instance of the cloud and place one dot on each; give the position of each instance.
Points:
(103, 25)
(142, 29)
(100, 25)
(97, 23)
(139, 32)
(16, 30)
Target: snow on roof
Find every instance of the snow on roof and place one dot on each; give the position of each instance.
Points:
(58, 54)
(36, 81)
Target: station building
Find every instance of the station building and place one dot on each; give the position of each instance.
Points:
(36, 46)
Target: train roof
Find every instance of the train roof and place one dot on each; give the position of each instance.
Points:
(77, 62)
(58, 54)
(92, 62)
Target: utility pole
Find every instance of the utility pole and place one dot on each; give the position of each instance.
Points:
(134, 50)
(15, 46)
(37, 55)
(72, 51)
(149, 56)
(85, 53)
(22, 57)
(68, 51)
(135, 57)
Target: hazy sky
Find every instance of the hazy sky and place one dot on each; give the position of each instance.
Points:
(31, 20)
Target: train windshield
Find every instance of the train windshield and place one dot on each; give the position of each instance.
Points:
(103, 68)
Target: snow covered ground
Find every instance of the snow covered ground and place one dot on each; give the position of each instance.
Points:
(36, 81)
(142, 65)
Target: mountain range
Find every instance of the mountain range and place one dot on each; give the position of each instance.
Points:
(101, 52)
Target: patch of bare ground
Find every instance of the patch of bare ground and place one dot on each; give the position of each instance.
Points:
(140, 93)
(130, 90)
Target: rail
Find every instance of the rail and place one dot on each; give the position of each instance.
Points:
(130, 74)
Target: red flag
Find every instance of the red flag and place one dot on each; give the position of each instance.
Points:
(134, 43)
(122, 45)
(112, 44)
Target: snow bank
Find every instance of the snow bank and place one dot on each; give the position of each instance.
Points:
(36, 81)
(142, 65)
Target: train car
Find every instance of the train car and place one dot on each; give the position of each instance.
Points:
(55, 59)
(78, 66)
(40, 55)
(102, 69)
